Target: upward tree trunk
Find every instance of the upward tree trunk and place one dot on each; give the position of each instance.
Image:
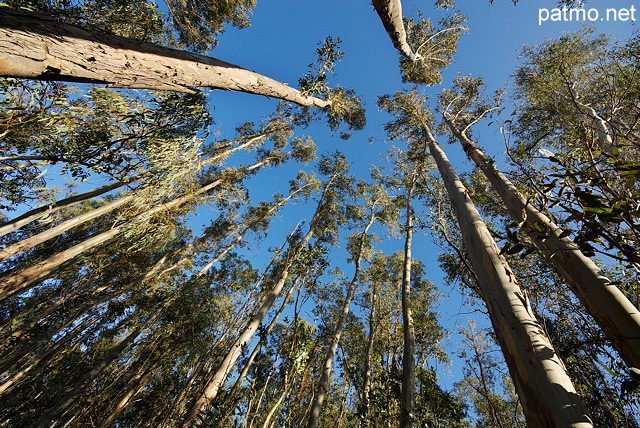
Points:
(19, 281)
(36, 46)
(548, 397)
(390, 12)
(407, 407)
(40, 212)
(199, 408)
(321, 389)
(618, 318)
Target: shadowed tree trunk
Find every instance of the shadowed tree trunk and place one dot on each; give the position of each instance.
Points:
(36, 46)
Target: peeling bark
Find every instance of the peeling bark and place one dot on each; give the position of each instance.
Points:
(36, 46)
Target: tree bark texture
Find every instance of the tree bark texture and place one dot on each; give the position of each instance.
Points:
(618, 318)
(548, 397)
(36, 46)
(390, 12)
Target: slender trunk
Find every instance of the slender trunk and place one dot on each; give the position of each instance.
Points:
(200, 406)
(618, 318)
(36, 46)
(240, 236)
(20, 281)
(258, 347)
(34, 240)
(548, 397)
(314, 416)
(55, 349)
(368, 364)
(408, 396)
(138, 382)
(390, 12)
(39, 212)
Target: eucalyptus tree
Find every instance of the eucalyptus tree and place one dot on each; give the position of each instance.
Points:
(359, 245)
(426, 49)
(461, 108)
(321, 223)
(576, 100)
(547, 394)
(375, 346)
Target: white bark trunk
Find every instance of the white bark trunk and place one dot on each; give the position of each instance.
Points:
(35, 46)
(548, 397)
(618, 318)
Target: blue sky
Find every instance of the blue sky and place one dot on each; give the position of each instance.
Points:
(280, 44)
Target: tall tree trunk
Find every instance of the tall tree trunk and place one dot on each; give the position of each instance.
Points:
(390, 12)
(368, 363)
(548, 397)
(36, 46)
(321, 389)
(408, 396)
(199, 407)
(618, 318)
(34, 240)
(20, 281)
(39, 212)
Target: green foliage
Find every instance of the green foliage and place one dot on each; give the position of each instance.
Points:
(434, 45)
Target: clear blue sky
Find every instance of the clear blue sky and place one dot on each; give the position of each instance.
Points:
(280, 44)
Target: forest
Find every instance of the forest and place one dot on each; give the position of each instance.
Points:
(187, 242)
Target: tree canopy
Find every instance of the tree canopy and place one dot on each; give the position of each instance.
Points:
(176, 251)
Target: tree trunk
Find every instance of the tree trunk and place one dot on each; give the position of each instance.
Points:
(368, 364)
(408, 396)
(321, 389)
(69, 397)
(618, 318)
(548, 397)
(39, 212)
(19, 281)
(199, 407)
(36, 46)
(34, 240)
(390, 12)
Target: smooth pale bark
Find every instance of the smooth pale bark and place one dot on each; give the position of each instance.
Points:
(390, 12)
(258, 347)
(408, 394)
(321, 389)
(34, 240)
(199, 407)
(40, 212)
(19, 281)
(618, 318)
(36, 46)
(214, 384)
(548, 397)
(368, 365)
